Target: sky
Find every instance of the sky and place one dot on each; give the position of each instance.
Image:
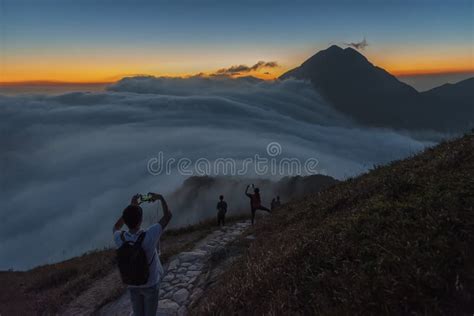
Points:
(104, 40)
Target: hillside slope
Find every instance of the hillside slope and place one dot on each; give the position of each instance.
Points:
(396, 240)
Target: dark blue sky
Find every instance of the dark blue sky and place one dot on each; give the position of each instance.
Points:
(60, 40)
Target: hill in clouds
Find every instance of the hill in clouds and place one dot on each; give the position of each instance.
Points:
(397, 240)
(374, 97)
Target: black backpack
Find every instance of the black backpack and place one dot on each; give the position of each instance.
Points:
(132, 261)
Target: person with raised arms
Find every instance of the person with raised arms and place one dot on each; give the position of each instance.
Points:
(137, 254)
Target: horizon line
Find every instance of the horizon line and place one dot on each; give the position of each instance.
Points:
(407, 73)
(100, 82)
(52, 82)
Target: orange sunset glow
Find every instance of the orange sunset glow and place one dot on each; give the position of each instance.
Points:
(100, 70)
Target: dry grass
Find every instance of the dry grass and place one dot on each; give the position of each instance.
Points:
(397, 240)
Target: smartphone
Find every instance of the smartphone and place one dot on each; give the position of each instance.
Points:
(145, 198)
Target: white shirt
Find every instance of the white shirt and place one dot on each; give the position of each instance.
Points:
(149, 244)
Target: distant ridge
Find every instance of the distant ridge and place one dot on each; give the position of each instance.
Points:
(374, 97)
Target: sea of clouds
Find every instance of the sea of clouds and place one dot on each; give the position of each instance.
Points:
(71, 162)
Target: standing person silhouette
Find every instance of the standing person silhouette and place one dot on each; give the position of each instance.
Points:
(221, 210)
(277, 202)
(255, 202)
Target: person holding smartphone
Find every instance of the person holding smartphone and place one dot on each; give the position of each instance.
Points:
(137, 255)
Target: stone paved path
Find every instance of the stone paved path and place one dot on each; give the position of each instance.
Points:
(180, 286)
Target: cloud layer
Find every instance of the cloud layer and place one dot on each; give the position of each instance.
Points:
(71, 162)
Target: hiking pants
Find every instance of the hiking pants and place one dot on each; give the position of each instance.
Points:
(145, 300)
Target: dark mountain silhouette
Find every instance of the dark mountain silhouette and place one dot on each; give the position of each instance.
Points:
(454, 104)
(461, 94)
(374, 97)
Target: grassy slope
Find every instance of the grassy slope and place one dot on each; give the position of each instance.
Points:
(398, 239)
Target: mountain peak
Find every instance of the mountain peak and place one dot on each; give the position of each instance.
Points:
(337, 50)
(333, 48)
(333, 58)
(352, 51)
(372, 96)
(353, 85)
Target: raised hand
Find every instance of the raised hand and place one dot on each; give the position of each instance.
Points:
(155, 196)
(135, 199)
